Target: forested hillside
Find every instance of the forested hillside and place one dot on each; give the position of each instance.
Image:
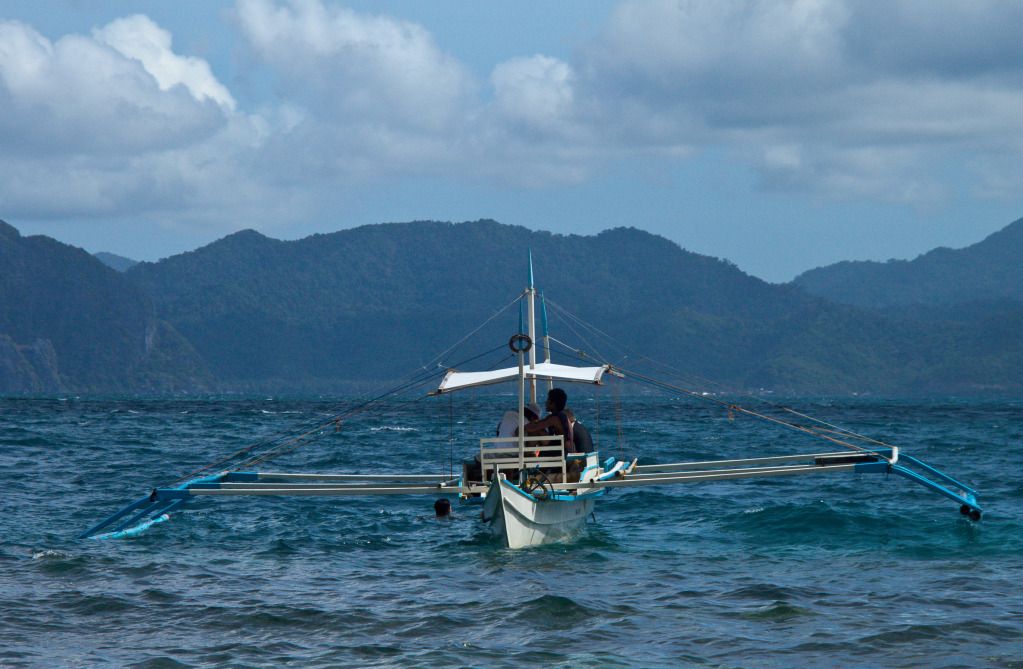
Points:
(68, 322)
(334, 312)
(376, 301)
(988, 271)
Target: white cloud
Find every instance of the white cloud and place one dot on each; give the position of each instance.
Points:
(79, 96)
(664, 48)
(374, 69)
(113, 124)
(372, 97)
(536, 92)
(137, 37)
(838, 99)
(842, 99)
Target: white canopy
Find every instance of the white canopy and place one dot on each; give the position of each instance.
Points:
(455, 380)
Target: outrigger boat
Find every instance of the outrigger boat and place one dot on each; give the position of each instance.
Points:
(532, 491)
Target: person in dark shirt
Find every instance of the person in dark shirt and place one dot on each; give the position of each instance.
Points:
(557, 421)
(580, 434)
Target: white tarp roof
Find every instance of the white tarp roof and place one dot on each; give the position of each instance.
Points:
(455, 380)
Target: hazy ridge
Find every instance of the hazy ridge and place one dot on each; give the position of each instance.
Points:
(988, 271)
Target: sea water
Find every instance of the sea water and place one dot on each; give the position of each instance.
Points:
(829, 570)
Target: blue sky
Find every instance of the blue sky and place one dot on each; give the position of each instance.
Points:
(779, 135)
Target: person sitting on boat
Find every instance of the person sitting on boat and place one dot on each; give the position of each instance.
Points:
(580, 434)
(556, 422)
(509, 425)
(472, 470)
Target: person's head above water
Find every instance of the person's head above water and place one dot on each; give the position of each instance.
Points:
(442, 507)
(556, 400)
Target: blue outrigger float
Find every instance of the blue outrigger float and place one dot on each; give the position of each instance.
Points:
(532, 491)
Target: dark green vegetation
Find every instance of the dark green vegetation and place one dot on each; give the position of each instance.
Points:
(972, 296)
(372, 303)
(68, 322)
(990, 271)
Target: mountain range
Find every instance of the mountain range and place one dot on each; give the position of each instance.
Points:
(332, 311)
(989, 271)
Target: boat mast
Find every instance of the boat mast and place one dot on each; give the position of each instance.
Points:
(531, 292)
(546, 337)
(522, 405)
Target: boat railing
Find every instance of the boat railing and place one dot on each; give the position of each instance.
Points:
(511, 453)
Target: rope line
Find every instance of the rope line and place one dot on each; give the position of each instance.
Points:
(436, 360)
(583, 324)
(278, 443)
(281, 444)
(276, 446)
(581, 355)
(729, 406)
(415, 382)
(750, 412)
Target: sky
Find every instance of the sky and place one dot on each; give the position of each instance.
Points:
(780, 135)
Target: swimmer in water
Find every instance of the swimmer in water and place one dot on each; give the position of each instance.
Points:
(443, 508)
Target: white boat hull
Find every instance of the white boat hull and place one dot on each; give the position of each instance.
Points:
(521, 520)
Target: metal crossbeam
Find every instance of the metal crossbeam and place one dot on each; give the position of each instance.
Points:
(315, 491)
(713, 464)
(280, 476)
(712, 475)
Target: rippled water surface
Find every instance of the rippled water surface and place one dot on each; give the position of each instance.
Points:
(822, 571)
